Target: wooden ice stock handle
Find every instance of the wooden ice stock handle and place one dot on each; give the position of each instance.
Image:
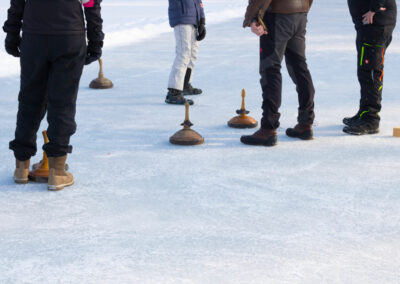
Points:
(46, 139)
(101, 73)
(187, 111)
(243, 99)
(261, 22)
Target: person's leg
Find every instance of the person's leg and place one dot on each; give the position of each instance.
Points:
(350, 120)
(272, 50)
(183, 54)
(193, 55)
(67, 55)
(295, 56)
(187, 86)
(372, 43)
(183, 36)
(32, 96)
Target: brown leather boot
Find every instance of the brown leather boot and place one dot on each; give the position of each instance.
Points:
(21, 171)
(58, 177)
(262, 137)
(302, 131)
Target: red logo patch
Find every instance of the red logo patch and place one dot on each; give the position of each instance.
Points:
(261, 50)
(88, 3)
(366, 61)
(201, 5)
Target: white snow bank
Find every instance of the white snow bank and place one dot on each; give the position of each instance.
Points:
(152, 30)
(129, 22)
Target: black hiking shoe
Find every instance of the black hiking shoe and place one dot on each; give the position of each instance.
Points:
(262, 137)
(352, 120)
(175, 97)
(189, 90)
(363, 126)
(302, 131)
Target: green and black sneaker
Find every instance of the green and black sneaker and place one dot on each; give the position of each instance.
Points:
(363, 126)
(351, 120)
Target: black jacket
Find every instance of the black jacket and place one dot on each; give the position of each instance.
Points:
(55, 17)
(381, 18)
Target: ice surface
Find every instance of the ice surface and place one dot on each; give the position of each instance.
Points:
(145, 211)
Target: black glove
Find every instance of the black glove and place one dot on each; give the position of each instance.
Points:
(94, 51)
(201, 30)
(12, 44)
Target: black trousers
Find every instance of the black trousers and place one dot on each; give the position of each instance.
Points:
(286, 38)
(51, 68)
(372, 42)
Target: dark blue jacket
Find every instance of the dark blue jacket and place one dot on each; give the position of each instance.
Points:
(185, 12)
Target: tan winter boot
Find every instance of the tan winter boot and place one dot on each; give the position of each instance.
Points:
(21, 171)
(58, 177)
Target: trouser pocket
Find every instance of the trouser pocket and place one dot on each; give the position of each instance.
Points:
(372, 56)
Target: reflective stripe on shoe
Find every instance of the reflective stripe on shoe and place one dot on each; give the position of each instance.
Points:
(59, 187)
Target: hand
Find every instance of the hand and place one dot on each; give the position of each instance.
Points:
(94, 51)
(201, 30)
(12, 44)
(368, 18)
(258, 29)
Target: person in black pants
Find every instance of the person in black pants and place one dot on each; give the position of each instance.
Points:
(52, 52)
(282, 31)
(374, 22)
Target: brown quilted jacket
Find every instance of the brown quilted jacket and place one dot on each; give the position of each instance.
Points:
(257, 8)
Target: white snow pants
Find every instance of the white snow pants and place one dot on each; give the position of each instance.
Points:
(186, 54)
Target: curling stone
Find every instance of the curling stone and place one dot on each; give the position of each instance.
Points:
(101, 82)
(396, 131)
(243, 120)
(40, 171)
(186, 136)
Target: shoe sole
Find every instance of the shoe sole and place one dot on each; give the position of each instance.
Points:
(189, 94)
(366, 132)
(59, 187)
(263, 143)
(173, 103)
(20, 181)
